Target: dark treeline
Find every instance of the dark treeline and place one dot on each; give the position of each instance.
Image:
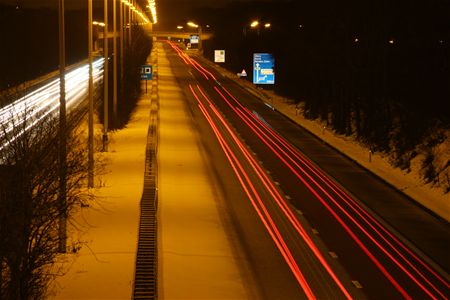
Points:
(376, 70)
(135, 55)
(29, 42)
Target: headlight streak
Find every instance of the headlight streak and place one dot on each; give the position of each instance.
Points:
(44, 101)
(369, 220)
(289, 155)
(257, 202)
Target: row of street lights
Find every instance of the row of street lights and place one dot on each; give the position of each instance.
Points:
(131, 16)
(134, 14)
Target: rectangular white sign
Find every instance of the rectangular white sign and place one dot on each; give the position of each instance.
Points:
(219, 56)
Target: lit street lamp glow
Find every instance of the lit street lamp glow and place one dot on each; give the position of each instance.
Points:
(192, 24)
(98, 23)
(254, 24)
(143, 18)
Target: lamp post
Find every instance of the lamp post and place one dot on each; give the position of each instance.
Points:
(105, 79)
(91, 102)
(122, 36)
(129, 27)
(62, 131)
(115, 59)
(255, 24)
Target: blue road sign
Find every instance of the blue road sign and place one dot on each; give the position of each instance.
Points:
(146, 72)
(263, 68)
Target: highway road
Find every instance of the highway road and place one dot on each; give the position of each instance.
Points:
(313, 223)
(43, 101)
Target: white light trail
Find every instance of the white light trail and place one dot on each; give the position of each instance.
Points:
(44, 101)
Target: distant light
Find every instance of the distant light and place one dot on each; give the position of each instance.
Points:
(254, 24)
(152, 6)
(441, 42)
(98, 23)
(391, 41)
(192, 24)
(267, 25)
(356, 40)
(300, 26)
(207, 26)
(142, 16)
(180, 27)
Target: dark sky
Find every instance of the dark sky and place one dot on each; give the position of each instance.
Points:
(169, 11)
(173, 4)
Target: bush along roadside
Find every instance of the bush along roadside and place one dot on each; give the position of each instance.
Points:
(129, 87)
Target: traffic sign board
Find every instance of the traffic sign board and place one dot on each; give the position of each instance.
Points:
(194, 38)
(146, 72)
(219, 56)
(263, 68)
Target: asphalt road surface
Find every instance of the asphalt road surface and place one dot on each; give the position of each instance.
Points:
(313, 223)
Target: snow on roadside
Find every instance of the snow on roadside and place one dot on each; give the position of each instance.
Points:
(410, 183)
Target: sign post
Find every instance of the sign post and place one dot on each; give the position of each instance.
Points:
(263, 68)
(146, 74)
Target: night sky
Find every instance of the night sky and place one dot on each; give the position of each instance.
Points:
(169, 11)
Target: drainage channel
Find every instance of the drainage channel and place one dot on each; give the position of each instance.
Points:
(145, 278)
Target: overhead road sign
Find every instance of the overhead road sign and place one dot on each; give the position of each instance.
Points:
(146, 72)
(194, 38)
(263, 68)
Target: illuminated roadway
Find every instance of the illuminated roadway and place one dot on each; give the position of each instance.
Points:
(305, 234)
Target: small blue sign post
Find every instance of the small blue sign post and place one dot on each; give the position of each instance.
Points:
(146, 74)
(263, 68)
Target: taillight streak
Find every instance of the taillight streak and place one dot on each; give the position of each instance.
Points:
(282, 149)
(245, 117)
(327, 206)
(279, 200)
(352, 204)
(257, 204)
(361, 212)
(190, 61)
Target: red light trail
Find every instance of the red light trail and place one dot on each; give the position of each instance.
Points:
(345, 209)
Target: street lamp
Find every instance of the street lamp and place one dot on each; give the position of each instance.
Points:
(192, 24)
(254, 25)
(105, 79)
(91, 101)
(62, 131)
(115, 60)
